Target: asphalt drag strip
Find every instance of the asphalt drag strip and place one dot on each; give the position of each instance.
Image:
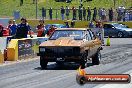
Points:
(116, 59)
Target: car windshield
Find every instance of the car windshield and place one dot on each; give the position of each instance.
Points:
(75, 34)
(120, 26)
(55, 25)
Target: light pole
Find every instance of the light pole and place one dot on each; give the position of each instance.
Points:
(36, 9)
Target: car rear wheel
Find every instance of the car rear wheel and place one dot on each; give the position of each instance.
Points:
(83, 61)
(43, 63)
(120, 35)
(96, 59)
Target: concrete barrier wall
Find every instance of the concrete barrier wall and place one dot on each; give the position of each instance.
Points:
(23, 48)
(1, 57)
(3, 43)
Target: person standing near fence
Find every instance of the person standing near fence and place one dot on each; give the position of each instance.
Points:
(80, 13)
(89, 14)
(84, 13)
(100, 13)
(74, 13)
(94, 14)
(62, 13)
(111, 14)
(103, 14)
(99, 30)
(43, 13)
(50, 13)
(67, 12)
(121, 13)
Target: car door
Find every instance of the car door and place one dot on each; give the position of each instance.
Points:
(108, 30)
(113, 31)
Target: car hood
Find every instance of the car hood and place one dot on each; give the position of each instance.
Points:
(63, 41)
(126, 29)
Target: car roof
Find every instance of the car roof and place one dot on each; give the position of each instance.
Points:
(71, 29)
(112, 23)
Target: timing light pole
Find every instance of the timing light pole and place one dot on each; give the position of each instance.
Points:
(36, 9)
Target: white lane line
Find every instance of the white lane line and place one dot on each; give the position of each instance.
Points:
(129, 85)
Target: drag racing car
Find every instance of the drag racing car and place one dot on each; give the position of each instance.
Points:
(70, 45)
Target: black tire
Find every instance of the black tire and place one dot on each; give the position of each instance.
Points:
(83, 61)
(43, 63)
(82, 81)
(120, 34)
(96, 59)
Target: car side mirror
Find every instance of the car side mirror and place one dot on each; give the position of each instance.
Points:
(113, 27)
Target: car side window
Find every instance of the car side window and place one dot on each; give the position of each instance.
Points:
(91, 35)
(107, 26)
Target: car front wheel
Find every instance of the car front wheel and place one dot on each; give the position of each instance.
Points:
(83, 61)
(96, 59)
(43, 63)
(120, 35)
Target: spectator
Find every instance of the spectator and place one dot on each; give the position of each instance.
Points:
(50, 13)
(80, 13)
(103, 14)
(22, 29)
(8, 27)
(66, 24)
(111, 14)
(13, 28)
(62, 12)
(99, 30)
(67, 12)
(84, 13)
(91, 24)
(94, 14)
(41, 28)
(43, 13)
(72, 24)
(121, 13)
(89, 14)
(51, 30)
(100, 13)
(1, 30)
(74, 13)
